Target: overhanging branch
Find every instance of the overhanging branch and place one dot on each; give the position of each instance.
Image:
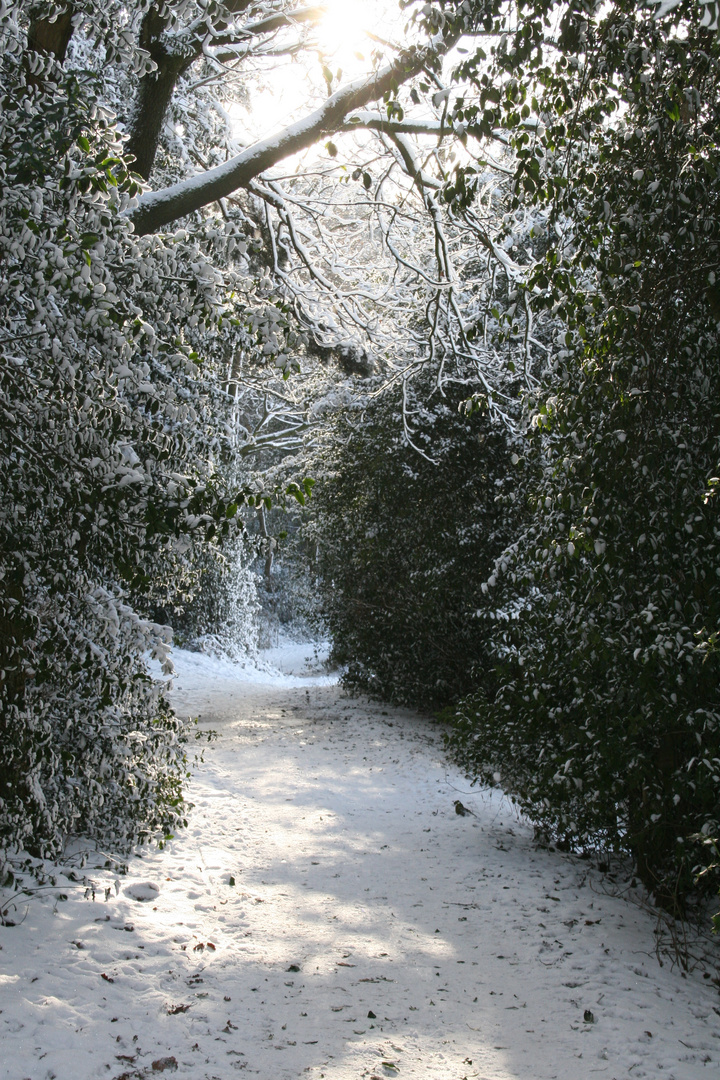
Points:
(158, 208)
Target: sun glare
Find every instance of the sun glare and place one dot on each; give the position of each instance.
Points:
(344, 43)
(342, 33)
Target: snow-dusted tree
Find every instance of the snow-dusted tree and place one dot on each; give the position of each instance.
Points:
(114, 430)
(90, 436)
(605, 726)
(127, 355)
(393, 145)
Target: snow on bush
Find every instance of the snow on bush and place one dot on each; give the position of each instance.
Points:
(112, 448)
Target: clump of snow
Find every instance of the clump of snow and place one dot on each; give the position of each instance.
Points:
(143, 891)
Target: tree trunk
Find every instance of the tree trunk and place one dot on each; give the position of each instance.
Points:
(156, 88)
(13, 631)
(14, 759)
(155, 91)
(268, 541)
(151, 105)
(51, 37)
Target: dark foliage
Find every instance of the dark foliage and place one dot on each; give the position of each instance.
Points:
(605, 726)
(404, 542)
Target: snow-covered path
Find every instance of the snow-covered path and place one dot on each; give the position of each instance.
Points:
(328, 914)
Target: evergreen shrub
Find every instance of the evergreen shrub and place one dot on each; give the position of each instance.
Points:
(109, 435)
(605, 722)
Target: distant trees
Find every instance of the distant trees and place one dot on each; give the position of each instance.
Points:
(406, 532)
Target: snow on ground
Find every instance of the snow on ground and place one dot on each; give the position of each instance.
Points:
(328, 914)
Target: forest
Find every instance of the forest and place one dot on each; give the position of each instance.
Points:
(423, 342)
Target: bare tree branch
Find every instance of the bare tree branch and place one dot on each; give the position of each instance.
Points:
(375, 121)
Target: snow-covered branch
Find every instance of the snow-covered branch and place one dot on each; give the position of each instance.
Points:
(158, 208)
